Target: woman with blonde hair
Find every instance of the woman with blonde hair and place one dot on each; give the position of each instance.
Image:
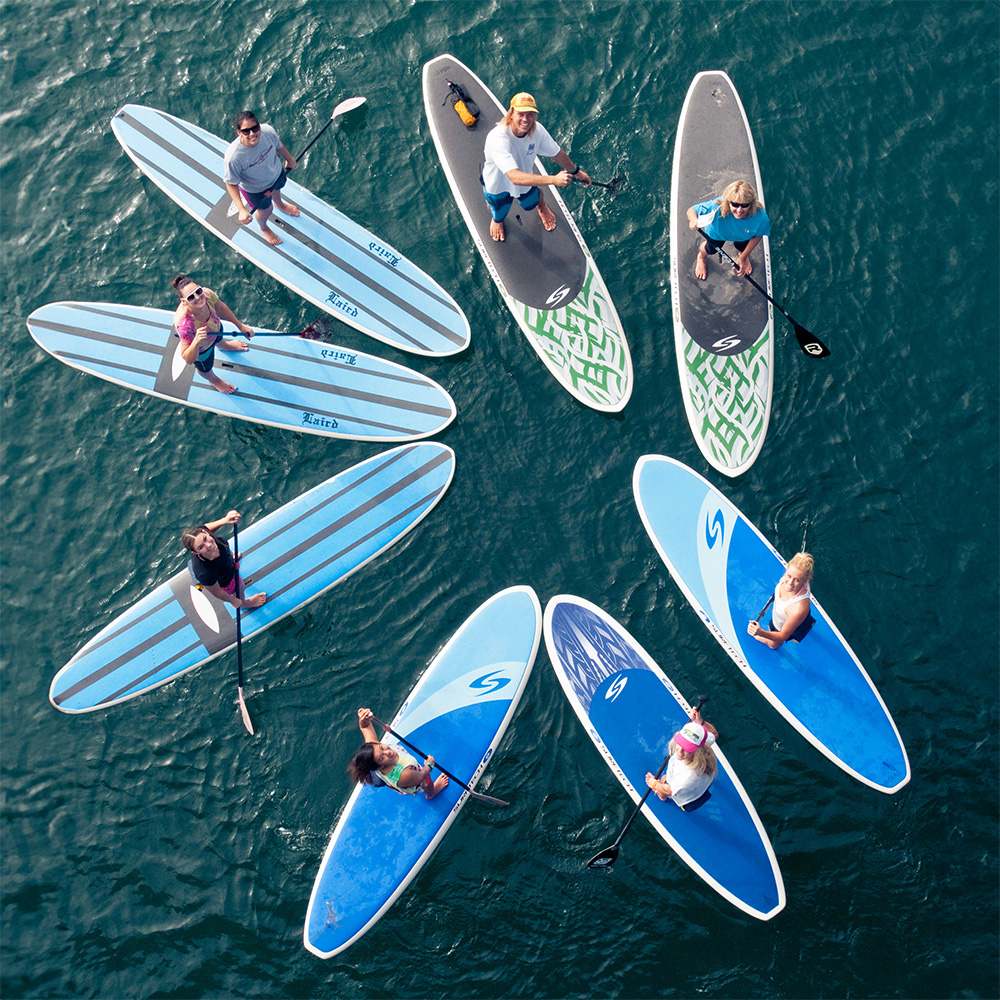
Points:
(790, 618)
(692, 767)
(736, 216)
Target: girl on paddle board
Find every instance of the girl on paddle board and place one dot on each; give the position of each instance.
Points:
(790, 618)
(737, 216)
(198, 323)
(392, 765)
(692, 767)
(212, 566)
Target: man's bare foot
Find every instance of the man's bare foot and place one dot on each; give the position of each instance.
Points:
(234, 345)
(548, 217)
(271, 236)
(287, 207)
(252, 603)
(700, 270)
(217, 383)
(497, 231)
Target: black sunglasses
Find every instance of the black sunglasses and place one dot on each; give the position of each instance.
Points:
(739, 204)
(251, 130)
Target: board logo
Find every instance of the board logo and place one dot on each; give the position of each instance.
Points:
(616, 688)
(715, 529)
(384, 253)
(342, 304)
(557, 296)
(726, 343)
(311, 420)
(491, 682)
(348, 359)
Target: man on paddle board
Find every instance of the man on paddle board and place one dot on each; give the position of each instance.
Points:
(737, 216)
(393, 766)
(692, 767)
(255, 169)
(212, 566)
(511, 148)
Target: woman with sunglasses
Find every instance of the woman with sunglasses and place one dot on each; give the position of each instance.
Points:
(737, 216)
(255, 169)
(376, 763)
(198, 322)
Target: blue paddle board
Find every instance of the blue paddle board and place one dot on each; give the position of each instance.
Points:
(324, 256)
(282, 381)
(293, 555)
(631, 710)
(458, 711)
(548, 280)
(727, 570)
(723, 327)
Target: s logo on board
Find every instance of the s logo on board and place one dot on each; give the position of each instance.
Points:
(715, 529)
(616, 688)
(557, 296)
(490, 682)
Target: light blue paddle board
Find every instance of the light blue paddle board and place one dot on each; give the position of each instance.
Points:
(293, 555)
(630, 710)
(324, 256)
(458, 711)
(727, 570)
(282, 381)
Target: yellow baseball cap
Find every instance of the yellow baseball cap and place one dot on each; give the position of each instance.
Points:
(523, 102)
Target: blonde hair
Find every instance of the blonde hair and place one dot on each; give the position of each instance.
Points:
(509, 117)
(741, 191)
(804, 562)
(701, 760)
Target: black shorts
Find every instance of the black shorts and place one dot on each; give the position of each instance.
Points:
(713, 246)
(262, 199)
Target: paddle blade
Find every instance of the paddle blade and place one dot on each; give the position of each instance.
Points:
(616, 184)
(488, 799)
(349, 105)
(605, 859)
(245, 713)
(809, 344)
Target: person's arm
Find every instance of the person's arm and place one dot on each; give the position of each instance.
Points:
(244, 212)
(575, 171)
(227, 314)
(796, 616)
(290, 162)
(192, 348)
(366, 723)
(744, 256)
(660, 788)
(233, 517)
(695, 716)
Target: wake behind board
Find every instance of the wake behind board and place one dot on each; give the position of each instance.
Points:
(723, 327)
(630, 710)
(458, 711)
(282, 381)
(549, 281)
(293, 555)
(324, 256)
(727, 570)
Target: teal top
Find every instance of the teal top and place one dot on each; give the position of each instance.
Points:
(391, 778)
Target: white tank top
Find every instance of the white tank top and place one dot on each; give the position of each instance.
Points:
(779, 610)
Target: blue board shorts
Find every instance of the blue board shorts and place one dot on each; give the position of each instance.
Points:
(262, 199)
(500, 203)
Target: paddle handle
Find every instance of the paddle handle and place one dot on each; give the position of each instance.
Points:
(763, 610)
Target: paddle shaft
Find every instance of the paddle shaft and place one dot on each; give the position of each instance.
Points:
(344, 106)
(239, 632)
(763, 610)
(472, 792)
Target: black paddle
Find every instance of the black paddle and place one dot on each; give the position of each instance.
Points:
(763, 610)
(349, 105)
(474, 794)
(614, 185)
(810, 345)
(239, 633)
(609, 855)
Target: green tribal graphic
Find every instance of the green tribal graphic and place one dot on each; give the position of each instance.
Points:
(582, 343)
(731, 396)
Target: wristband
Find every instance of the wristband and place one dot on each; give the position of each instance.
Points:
(573, 173)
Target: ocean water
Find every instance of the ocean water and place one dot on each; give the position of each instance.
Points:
(155, 850)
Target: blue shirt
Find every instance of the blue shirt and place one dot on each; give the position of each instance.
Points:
(730, 228)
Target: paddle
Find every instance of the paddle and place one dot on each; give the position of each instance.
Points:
(763, 610)
(341, 109)
(810, 345)
(474, 794)
(607, 857)
(239, 634)
(614, 185)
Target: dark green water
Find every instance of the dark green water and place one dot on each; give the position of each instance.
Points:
(155, 850)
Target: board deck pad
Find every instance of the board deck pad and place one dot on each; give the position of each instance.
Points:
(282, 381)
(723, 326)
(293, 554)
(325, 257)
(458, 711)
(727, 570)
(630, 710)
(549, 280)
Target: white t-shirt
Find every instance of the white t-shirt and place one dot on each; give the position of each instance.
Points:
(686, 784)
(504, 152)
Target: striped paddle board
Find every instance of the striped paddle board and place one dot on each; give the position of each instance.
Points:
(282, 381)
(723, 327)
(324, 256)
(630, 710)
(458, 711)
(293, 554)
(549, 281)
(727, 570)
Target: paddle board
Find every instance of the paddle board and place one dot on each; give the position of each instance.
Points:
(723, 327)
(630, 710)
(549, 281)
(727, 570)
(282, 381)
(324, 256)
(458, 711)
(293, 555)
